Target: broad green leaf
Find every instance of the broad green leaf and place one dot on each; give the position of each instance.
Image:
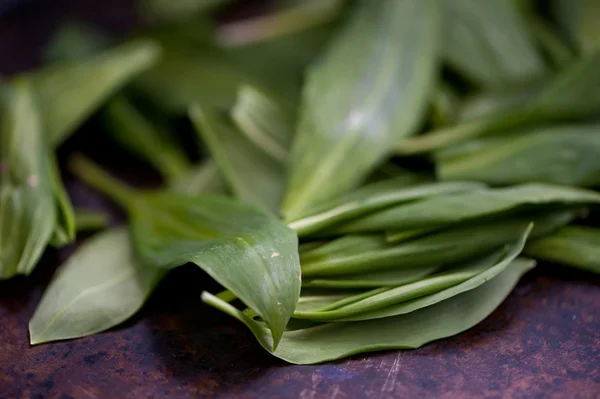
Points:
(337, 340)
(573, 93)
(450, 246)
(241, 246)
(294, 16)
(575, 246)
(143, 138)
(86, 220)
(356, 107)
(99, 287)
(580, 20)
(568, 155)
(425, 292)
(252, 176)
(28, 211)
(70, 91)
(266, 122)
(201, 178)
(370, 198)
(453, 208)
(489, 42)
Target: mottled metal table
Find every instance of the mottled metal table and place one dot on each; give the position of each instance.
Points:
(543, 341)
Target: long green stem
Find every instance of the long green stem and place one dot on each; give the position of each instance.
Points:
(97, 178)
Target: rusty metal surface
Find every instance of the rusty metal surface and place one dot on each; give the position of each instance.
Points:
(543, 341)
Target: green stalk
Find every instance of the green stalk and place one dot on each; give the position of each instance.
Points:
(97, 178)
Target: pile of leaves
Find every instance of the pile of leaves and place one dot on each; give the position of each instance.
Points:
(374, 174)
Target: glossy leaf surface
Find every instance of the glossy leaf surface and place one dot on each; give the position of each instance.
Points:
(349, 120)
(337, 340)
(461, 207)
(100, 286)
(370, 198)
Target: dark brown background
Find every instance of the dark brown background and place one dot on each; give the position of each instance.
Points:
(543, 341)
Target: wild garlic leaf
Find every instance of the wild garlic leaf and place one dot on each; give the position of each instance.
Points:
(28, 211)
(444, 105)
(446, 247)
(338, 340)
(70, 91)
(573, 93)
(86, 220)
(579, 18)
(252, 176)
(268, 123)
(355, 108)
(186, 75)
(202, 178)
(453, 208)
(239, 245)
(370, 198)
(489, 42)
(145, 139)
(574, 246)
(100, 286)
(425, 292)
(378, 278)
(567, 154)
(294, 16)
(64, 229)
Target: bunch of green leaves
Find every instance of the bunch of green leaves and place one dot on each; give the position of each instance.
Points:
(325, 246)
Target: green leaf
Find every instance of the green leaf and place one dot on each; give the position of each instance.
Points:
(575, 246)
(489, 43)
(28, 211)
(295, 16)
(378, 278)
(573, 93)
(568, 155)
(266, 122)
(70, 91)
(252, 176)
(241, 246)
(453, 208)
(145, 139)
(350, 120)
(64, 229)
(201, 178)
(370, 198)
(86, 220)
(580, 20)
(337, 340)
(425, 292)
(74, 41)
(187, 75)
(99, 287)
(450, 246)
